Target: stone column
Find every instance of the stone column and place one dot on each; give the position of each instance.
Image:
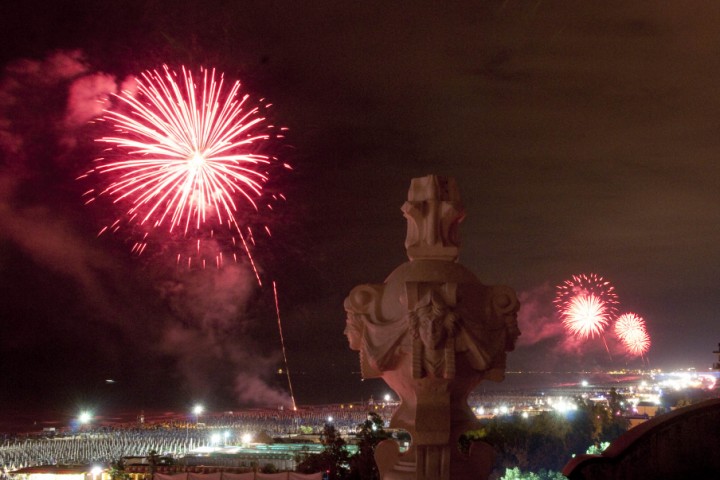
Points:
(433, 332)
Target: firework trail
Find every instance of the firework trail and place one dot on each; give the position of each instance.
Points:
(185, 157)
(632, 332)
(586, 304)
(282, 343)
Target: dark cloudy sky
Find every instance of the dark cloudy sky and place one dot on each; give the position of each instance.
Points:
(584, 137)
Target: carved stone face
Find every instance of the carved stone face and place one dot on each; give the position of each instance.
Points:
(431, 327)
(513, 332)
(353, 330)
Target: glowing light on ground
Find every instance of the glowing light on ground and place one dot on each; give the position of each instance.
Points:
(562, 405)
(685, 380)
(185, 158)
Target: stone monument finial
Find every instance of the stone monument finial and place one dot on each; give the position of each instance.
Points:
(433, 332)
(433, 211)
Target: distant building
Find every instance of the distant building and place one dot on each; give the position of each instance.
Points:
(716, 365)
(648, 409)
(636, 420)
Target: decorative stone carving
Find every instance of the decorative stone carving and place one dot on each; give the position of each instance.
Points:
(432, 323)
(433, 211)
(432, 331)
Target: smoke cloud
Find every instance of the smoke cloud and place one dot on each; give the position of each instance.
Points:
(87, 96)
(51, 241)
(537, 318)
(34, 142)
(208, 334)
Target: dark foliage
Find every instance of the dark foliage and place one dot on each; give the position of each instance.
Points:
(333, 460)
(369, 434)
(338, 463)
(547, 441)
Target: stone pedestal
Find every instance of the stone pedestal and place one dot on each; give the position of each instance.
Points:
(433, 332)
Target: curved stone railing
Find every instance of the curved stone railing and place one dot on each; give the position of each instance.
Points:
(683, 444)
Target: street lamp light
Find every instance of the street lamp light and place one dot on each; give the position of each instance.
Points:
(197, 410)
(84, 418)
(96, 470)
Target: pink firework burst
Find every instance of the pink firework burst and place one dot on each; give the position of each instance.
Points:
(585, 285)
(632, 332)
(586, 316)
(185, 158)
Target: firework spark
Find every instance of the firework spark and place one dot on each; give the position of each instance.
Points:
(185, 157)
(632, 332)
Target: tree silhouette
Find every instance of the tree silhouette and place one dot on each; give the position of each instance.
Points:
(333, 460)
(369, 434)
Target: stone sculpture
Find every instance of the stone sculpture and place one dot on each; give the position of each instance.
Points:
(433, 332)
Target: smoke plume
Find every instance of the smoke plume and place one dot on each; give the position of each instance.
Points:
(208, 334)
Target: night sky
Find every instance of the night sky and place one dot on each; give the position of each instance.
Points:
(584, 137)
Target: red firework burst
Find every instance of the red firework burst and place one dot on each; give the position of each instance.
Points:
(185, 157)
(586, 316)
(632, 332)
(585, 285)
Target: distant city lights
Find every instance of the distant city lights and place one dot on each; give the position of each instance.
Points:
(562, 405)
(684, 380)
(637, 388)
